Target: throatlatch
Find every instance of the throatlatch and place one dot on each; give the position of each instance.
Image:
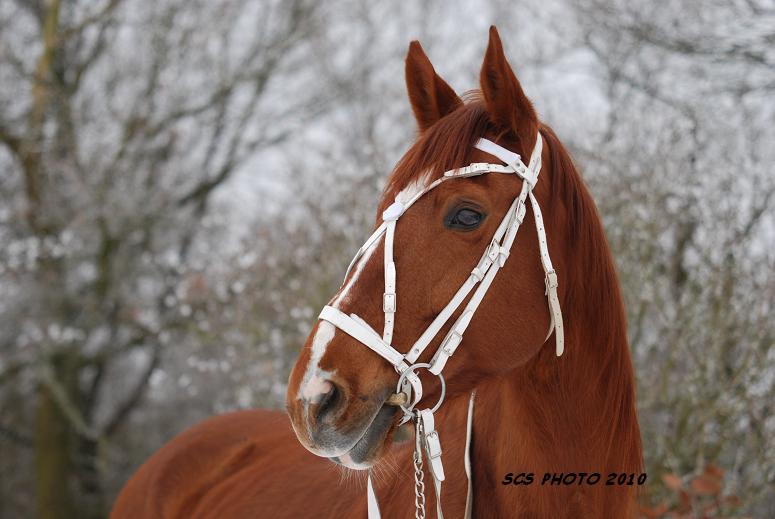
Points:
(479, 281)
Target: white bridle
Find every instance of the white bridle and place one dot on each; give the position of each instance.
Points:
(479, 281)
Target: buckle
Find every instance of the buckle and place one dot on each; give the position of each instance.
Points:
(478, 167)
(451, 342)
(551, 280)
(521, 210)
(388, 303)
(493, 250)
(433, 444)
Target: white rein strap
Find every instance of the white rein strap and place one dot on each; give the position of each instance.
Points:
(478, 282)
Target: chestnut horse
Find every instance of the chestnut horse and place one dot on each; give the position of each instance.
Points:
(536, 414)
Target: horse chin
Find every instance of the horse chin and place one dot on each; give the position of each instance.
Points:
(368, 449)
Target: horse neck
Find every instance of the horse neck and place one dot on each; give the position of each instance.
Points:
(575, 413)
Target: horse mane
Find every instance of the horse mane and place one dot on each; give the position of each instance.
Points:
(597, 366)
(596, 322)
(444, 146)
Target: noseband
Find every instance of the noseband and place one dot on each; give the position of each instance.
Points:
(478, 282)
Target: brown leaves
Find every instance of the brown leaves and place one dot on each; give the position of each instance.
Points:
(704, 485)
(672, 481)
(694, 497)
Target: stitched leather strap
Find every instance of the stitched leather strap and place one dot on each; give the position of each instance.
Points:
(550, 280)
(389, 297)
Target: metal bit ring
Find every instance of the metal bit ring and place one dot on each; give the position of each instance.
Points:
(412, 368)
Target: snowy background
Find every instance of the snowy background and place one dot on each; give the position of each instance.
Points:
(182, 183)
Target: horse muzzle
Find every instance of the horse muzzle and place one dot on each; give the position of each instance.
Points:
(349, 430)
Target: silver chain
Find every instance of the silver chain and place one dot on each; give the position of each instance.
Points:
(419, 485)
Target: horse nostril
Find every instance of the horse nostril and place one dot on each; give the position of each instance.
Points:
(329, 402)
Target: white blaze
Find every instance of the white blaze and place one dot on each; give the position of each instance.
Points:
(315, 382)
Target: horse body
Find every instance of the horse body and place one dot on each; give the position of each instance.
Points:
(249, 464)
(239, 465)
(534, 412)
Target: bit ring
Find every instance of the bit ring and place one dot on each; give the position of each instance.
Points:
(412, 368)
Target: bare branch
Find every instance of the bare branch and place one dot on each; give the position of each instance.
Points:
(134, 396)
(98, 17)
(66, 405)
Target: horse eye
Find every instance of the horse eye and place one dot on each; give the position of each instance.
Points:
(463, 218)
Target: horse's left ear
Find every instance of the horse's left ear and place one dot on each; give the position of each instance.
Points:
(431, 97)
(507, 104)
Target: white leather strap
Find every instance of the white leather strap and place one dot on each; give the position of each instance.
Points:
(359, 330)
(550, 280)
(513, 160)
(376, 235)
(371, 496)
(478, 168)
(507, 156)
(437, 489)
(432, 445)
(389, 297)
(371, 500)
(491, 254)
(467, 457)
(497, 254)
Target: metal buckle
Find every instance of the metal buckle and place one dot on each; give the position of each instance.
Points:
(389, 303)
(479, 167)
(433, 445)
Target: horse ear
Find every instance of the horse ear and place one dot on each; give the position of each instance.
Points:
(506, 102)
(431, 97)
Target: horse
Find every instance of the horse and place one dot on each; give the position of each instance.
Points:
(548, 436)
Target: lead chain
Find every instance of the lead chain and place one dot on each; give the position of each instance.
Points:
(419, 485)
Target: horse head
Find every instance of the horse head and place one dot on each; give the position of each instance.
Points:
(338, 388)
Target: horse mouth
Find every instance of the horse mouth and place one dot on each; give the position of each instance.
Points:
(370, 445)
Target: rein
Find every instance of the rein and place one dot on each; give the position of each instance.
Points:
(409, 390)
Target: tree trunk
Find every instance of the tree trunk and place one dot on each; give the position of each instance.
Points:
(53, 450)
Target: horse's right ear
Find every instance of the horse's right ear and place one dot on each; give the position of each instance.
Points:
(506, 102)
(431, 97)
